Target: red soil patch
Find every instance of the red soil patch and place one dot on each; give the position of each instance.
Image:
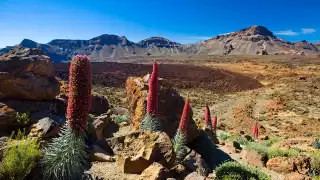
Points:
(181, 75)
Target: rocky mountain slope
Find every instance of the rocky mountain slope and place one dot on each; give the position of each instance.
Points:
(256, 40)
(248, 41)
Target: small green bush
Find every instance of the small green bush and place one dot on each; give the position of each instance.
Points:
(271, 141)
(19, 157)
(264, 150)
(276, 152)
(316, 177)
(259, 148)
(233, 137)
(315, 162)
(23, 118)
(236, 171)
(316, 144)
(120, 118)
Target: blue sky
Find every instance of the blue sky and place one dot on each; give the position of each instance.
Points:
(184, 21)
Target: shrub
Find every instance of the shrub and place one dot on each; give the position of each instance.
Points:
(277, 152)
(270, 153)
(233, 137)
(19, 157)
(237, 171)
(259, 148)
(315, 163)
(66, 157)
(120, 118)
(316, 144)
(271, 141)
(23, 118)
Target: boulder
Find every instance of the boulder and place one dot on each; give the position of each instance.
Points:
(45, 114)
(117, 143)
(37, 110)
(45, 128)
(99, 124)
(169, 109)
(262, 52)
(302, 143)
(180, 171)
(194, 176)
(297, 176)
(7, 115)
(99, 154)
(120, 111)
(99, 104)
(285, 165)
(195, 163)
(252, 158)
(27, 74)
(144, 148)
(155, 172)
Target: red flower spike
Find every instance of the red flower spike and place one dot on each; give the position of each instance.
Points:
(214, 122)
(79, 96)
(152, 100)
(207, 116)
(256, 130)
(185, 116)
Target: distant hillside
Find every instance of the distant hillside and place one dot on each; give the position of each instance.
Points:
(256, 40)
(107, 47)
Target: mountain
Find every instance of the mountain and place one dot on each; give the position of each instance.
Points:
(255, 40)
(107, 47)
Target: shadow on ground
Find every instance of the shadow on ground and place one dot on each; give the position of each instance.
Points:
(185, 76)
(210, 152)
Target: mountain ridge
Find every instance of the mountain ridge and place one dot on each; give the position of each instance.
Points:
(252, 40)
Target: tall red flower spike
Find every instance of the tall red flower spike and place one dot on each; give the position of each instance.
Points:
(79, 97)
(207, 116)
(256, 130)
(214, 123)
(152, 100)
(185, 116)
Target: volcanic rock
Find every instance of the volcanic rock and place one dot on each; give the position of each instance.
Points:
(27, 74)
(169, 109)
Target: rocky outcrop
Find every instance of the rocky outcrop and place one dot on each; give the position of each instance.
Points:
(7, 115)
(253, 158)
(170, 105)
(27, 74)
(255, 40)
(194, 176)
(45, 128)
(155, 172)
(195, 163)
(158, 42)
(99, 104)
(286, 165)
(142, 149)
(99, 125)
(305, 45)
